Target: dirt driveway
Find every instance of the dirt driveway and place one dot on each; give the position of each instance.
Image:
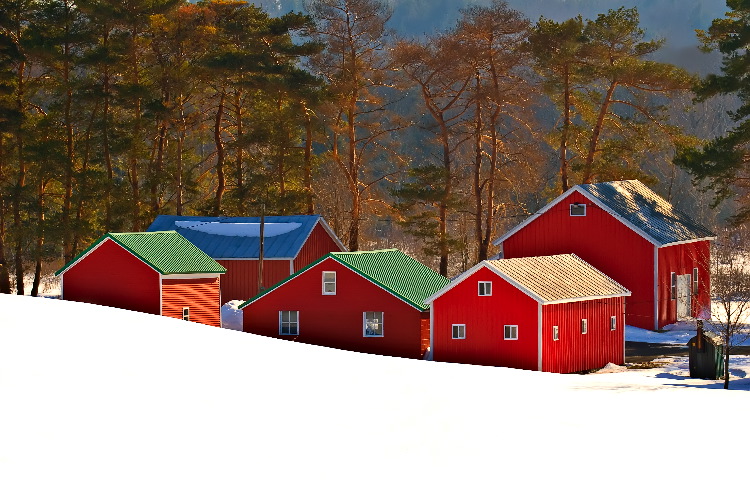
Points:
(640, 352)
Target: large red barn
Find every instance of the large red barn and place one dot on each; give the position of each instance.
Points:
(548, 313)
(289, 244)
(634, 236)
(367, 301)
(160, 273)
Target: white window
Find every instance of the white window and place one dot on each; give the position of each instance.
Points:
(485, 288)
(373, 323)
(555, 333)
(289, 323)
(577, 209)
(584, 326)
(186, 313)
(673, 283)
(511, 332)
(329, 282)
(612, 323)
(695, 281)
(459, 332)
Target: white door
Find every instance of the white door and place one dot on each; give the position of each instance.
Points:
(683, 296)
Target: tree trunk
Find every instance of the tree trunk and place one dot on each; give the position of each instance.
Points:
(448, 188)
(4, 275)
(221, 186)
(354, 175)
(308, 162)
(20, 184)
(39, 240)
(565, 130)
(477, 185)
(239, 159)
(588, 172)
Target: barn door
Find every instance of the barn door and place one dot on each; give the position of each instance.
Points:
(683, 296)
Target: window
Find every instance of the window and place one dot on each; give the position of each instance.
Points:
(673, 290)
(612, 323)
(485, 288)
(577, 209)
(459, 332)
(186, 313)
(555, 333)
(511, 332)
(695, 281)
(584, 326)
(329, 282)
(373, 323)
(289, 323)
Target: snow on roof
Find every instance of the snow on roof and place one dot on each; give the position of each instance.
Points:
(239, 229)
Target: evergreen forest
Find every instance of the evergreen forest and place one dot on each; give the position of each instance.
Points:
(435, 142)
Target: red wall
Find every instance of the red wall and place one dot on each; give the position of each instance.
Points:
(112, 276)
(317, 245)
(574, 351)
(336, 320)
(485, 317)
(681, 259)
(602, 241)
(200, 295)
(241, 279)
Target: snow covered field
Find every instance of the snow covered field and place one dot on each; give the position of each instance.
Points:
(89, 393)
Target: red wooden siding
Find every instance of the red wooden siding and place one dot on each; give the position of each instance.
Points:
(681, 259)
(575, 351)
(241, 279)
(601, 240)
(485, 317)
(109, 275)
(425, 331)
(200, 295)
(317, 245)
(337, 320)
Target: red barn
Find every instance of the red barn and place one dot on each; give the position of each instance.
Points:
(160, 273)
(367, 301)
(289, 244)
(548, 313)
(632, 235)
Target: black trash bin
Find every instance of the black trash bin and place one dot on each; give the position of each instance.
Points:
(706, 355)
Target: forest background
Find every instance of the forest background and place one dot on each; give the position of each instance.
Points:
(430, 126)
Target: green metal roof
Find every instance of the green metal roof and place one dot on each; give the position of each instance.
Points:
(167, 252)
(394, 271)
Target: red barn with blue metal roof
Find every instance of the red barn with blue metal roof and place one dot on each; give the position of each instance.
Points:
(634, 236)
(289, 244)
(547, 313)
(366, 301)
(160, 273)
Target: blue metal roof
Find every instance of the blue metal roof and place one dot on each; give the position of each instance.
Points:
(647, 211)
(238, 237)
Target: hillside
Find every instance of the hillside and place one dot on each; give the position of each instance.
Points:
(93, 393)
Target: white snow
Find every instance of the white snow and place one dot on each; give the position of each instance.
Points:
(231, 315)
(89, 393)
(251, 230)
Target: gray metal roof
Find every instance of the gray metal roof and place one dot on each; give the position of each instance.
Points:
(562, 277)
(646, 211)
(239, 237)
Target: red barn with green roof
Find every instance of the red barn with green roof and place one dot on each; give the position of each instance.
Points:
(161, 273)
(367, 301)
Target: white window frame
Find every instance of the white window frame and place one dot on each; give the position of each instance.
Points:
(513, 329)
(186, 313)
(584, 326)
(612, 323)
(696, 286)
(578, 205)
(555, 333)
(486, 284)
(673, 285)
(281, 322)
(381, 323)
(329, 293)
(461, 332)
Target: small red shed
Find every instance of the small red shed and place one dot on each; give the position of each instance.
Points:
(367, 301)
(160, 273)
(289, 242)
(631, 234)
(548, 313)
